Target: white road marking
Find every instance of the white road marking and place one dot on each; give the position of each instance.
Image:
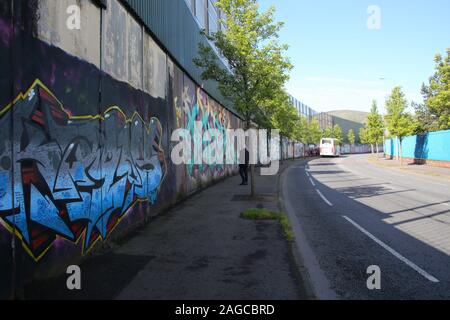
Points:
(320, 284)
(307, 173)
(445, 204)
(393, 252)
(312, 182)
(323, 198)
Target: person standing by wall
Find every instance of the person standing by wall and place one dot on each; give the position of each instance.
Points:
(243, 167)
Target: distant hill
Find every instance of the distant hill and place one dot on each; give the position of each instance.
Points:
(349, 119)
(350, 115)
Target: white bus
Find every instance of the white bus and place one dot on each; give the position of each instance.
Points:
(329, 147)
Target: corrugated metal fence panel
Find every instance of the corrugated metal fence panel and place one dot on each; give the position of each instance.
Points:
(431, 146)
(174, 26)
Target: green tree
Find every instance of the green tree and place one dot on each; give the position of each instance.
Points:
(327, 132)
(437, 93)
(363, 136)
(351, 137)
(302, 130)
(425, 120)
(337, 133)
(400, 123)
(375, 126)
(314, 132)
(283, 116)
(257, 66)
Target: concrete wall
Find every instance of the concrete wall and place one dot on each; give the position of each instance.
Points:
(432, 148)
(85, 124)
(299, 150)
(359, 148)
(173, 25)
(291, 149)
(52, 28)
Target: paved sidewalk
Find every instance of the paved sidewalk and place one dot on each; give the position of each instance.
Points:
(201, 249)
(428, 170)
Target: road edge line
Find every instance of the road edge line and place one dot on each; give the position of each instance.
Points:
(317, 283)
(323, 197)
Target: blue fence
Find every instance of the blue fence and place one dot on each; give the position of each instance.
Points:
(431, 146)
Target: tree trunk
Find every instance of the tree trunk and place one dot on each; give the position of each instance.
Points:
(378, 151)
(281, 149)
(371, 148)
(252, 181)
(401, 153)
(252, 167)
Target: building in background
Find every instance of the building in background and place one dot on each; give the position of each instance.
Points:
(329, 119)
(206, 14)
(325, 120)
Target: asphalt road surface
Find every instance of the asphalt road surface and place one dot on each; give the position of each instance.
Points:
(351, 214)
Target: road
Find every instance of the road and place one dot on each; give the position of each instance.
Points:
(350, 214)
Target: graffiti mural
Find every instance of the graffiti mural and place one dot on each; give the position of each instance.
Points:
(211, 115)
(84, 149)
(73, 177)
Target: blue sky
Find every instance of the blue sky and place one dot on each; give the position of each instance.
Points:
(338, 61)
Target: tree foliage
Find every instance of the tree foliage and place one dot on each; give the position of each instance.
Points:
(337, 133)
(375, 125)
(280, 114)
(351, 136)
(437, 96)
(363, 139)
(302, 130)
(258, 67)
(327, 132)
(425, 120)
(399, 122)
(314, 132)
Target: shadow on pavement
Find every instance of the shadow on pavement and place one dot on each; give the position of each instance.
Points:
(367, 191)
(103, 277)
(329, 172)
(344, 252)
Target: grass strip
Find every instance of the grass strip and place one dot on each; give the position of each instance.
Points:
(264, 214)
